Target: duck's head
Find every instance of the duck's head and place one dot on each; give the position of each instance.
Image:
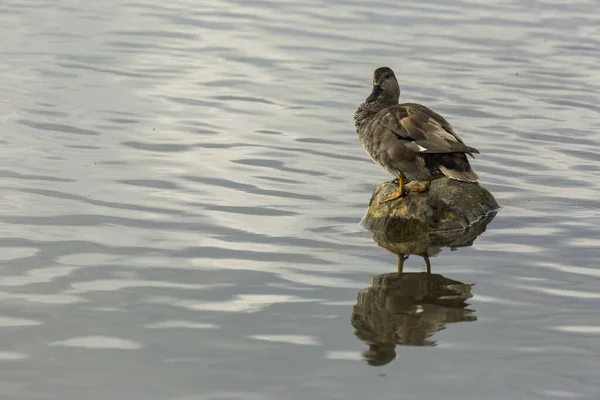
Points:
(385, 87)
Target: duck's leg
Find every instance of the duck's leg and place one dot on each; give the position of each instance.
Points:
(399, 193)
(418, 187)
(427, 264)
(401, 259)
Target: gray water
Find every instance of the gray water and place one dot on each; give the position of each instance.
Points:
(182, 190)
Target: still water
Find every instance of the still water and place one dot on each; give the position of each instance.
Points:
(182, 189)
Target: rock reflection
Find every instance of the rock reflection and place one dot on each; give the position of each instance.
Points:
(430, 244)
(404, 308)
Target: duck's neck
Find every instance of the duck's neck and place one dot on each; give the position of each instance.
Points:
(367, 110)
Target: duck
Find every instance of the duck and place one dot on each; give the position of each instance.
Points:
(410, 141)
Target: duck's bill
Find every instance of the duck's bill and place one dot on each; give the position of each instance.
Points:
(374, 94)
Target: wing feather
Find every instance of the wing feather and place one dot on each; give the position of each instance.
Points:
(423, 131)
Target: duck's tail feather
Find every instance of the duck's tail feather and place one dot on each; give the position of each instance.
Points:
(465, 176)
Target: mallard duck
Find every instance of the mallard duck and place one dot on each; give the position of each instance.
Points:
(409, 140)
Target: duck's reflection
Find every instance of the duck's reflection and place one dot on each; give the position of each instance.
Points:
(406, 309)
(403, 308)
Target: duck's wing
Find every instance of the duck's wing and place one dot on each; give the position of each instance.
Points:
(422, 130)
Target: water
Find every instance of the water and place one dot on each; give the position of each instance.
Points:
(182, 189)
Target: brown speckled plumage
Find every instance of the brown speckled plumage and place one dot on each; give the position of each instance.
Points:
(409, 140)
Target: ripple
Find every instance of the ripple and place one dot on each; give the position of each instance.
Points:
(561, 394)
(514, 247)
(223, 254)
(265, 211)
(12, 253)
(110, 204)
(576, 294)
(239, 304)
(98, 343)
(251, 188)
(581, 329)
(112, 285)
(41, 275)
(110, 71)
(181, 324)
(58, 128)
(291, 339)
(156, 184)
(571, 269)
(12, 322)
(160, 147)
(12, 356)
(153, 34)
(344, 355)
(42, 299)
(45, 178)
(244, 99)
(278, 165)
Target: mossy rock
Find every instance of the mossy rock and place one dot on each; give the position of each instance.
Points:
(448, 205)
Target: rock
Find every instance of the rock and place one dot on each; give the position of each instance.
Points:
(448, 205)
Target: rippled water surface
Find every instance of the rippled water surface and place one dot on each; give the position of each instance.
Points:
(182, 191)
